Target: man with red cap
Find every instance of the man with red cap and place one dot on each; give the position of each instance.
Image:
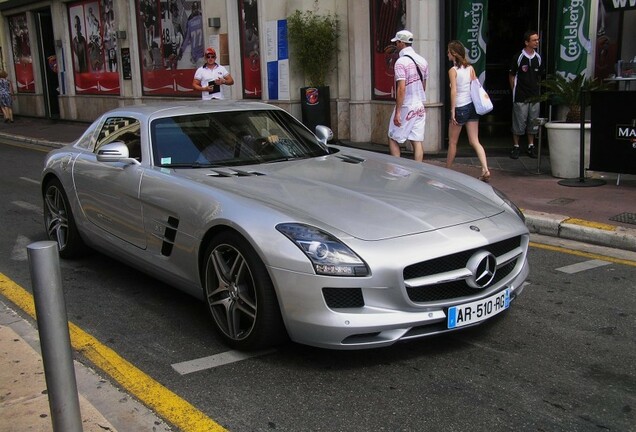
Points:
(209, 77)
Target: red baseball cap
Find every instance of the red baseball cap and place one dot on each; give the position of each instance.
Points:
(210, 51)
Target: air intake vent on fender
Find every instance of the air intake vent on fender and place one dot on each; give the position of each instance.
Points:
(169, 235)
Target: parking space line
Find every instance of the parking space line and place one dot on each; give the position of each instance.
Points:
(30, 180)
(210, 362)
(28, 206)
(583, 254)
(582, 266)
(19, 251)
(154, 395)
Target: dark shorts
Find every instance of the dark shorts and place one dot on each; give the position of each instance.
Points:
(465, 114)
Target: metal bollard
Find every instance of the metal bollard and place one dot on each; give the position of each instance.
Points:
(55, 339)
(540, 121)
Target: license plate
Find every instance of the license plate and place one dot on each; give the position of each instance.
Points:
(479, 310)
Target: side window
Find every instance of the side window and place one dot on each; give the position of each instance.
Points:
(124, 129)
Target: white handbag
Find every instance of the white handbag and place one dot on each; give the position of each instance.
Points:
(481, 100)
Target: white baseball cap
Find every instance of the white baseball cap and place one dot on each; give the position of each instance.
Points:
(404, 36)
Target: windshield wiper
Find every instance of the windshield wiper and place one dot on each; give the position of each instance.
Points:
(284, 159)
(190, 165)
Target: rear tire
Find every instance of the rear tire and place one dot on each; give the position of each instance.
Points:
(240, 295)
(59, 222)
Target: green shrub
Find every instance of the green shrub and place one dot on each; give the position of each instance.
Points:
(314, 41)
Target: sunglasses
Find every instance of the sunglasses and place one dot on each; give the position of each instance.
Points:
(210, 56)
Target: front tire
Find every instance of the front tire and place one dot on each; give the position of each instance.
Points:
(240, 295)
(59, 222)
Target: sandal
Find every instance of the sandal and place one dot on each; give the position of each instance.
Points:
(485, 177)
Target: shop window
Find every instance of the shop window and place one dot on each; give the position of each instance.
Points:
(171, 45)
(250, 49)
(94, 47)
(22, 60)
(387, 18)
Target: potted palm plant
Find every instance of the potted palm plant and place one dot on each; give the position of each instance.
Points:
(314, 41)
(564, 137)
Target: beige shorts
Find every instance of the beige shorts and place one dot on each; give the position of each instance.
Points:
(413, 123)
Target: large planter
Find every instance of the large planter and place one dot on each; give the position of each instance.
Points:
(315, 107)
(564, 141)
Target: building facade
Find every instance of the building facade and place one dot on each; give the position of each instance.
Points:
(76, 59)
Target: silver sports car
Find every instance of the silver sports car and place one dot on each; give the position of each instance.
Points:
(282, 234)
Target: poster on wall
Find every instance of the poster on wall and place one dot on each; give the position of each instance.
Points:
(22, 60)
(171, 41)
(619, 5)
(250, 49)
(387, 18)
(277, 58)
(607, 42)
(94, 47)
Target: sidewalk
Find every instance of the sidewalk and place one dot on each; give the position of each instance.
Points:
(603, 215)
(24, 403)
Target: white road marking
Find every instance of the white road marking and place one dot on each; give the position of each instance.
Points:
(19, 252)
(30, 180)
(582, 266)
(28, 206)
(216, 360)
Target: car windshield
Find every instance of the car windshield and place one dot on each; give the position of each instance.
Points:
(231, 138)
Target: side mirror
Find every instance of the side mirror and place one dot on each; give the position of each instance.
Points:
(324, 134)
(115, 151)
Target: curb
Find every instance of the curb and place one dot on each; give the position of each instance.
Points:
(33, 141)
(561, 226)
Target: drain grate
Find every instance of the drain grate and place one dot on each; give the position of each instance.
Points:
(561, 201)
(628, 218)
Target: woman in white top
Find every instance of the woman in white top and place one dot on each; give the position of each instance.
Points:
(462, 111)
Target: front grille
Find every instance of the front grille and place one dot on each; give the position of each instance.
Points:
(457, 288)
(339, 298)
(458, 260)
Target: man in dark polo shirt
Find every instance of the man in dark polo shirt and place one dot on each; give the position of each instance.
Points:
(525, 74)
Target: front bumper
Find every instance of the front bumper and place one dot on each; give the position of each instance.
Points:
(384, 311)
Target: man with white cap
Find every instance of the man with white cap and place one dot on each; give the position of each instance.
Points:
(409, 116)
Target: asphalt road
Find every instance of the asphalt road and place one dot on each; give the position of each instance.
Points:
(562, 358)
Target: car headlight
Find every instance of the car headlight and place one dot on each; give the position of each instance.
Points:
(327, 254)
(512, 205)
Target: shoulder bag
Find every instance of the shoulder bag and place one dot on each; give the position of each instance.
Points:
(481, 100)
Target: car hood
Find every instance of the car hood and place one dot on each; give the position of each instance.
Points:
(367, 197)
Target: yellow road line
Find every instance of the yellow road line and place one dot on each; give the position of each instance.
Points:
(590, 224)
(583, 254)
(165, 403)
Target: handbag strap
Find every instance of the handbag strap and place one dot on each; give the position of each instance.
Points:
(417, 68)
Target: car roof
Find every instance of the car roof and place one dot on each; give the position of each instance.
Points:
(177, 108)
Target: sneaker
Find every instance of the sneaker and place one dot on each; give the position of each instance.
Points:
(514, 154)
(532, 151)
